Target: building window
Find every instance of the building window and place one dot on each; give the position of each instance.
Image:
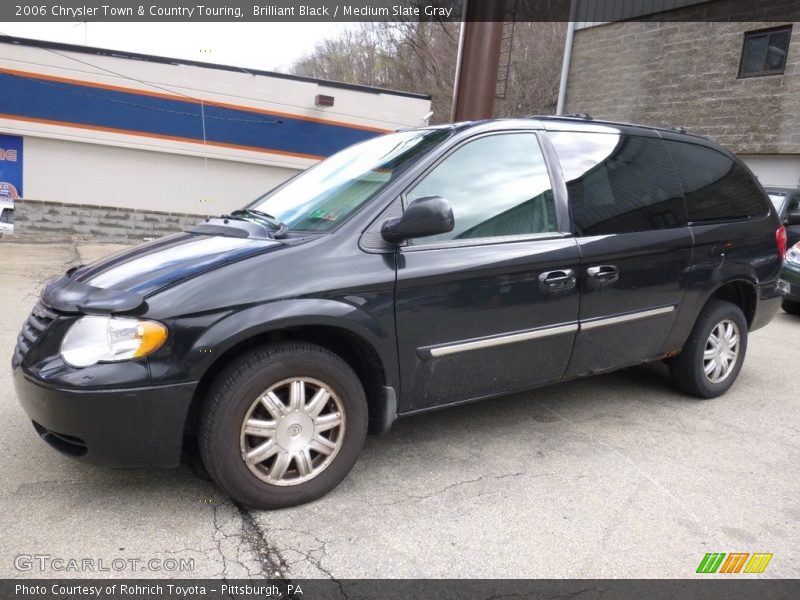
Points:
(765, 51)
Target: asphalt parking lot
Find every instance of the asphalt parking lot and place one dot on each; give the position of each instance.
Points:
(611, 476)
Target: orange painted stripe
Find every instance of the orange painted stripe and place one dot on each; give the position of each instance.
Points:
(160, 136)
(250, 109)
(724, 568)
(734, 562)
(740, 564)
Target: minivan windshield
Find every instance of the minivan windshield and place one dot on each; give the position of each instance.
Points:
(325, 195)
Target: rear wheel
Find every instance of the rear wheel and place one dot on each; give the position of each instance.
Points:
(791, 307)
(712, 357)
(283, 425)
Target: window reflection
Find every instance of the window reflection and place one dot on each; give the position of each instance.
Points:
(716, 186)
(619, 183)
(325, 195)
(497, 186)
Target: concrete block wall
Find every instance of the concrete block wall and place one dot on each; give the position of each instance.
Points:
(39, 220)
(686, 74)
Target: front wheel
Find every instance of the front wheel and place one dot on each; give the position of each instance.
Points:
(712, 356)
(791, 307)
(283, 425)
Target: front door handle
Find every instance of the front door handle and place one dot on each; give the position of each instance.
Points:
(552, 281)
(603, 273)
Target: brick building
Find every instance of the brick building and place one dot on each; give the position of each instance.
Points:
(735, 82)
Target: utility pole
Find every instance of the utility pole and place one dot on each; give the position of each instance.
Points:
(562, 86)
(478, 59)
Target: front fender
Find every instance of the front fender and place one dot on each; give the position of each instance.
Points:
(235, 327)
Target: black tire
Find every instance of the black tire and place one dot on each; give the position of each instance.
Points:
(687, 369)
(791, 307)
(231, 398)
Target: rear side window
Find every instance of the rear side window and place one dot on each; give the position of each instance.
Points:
(619, 183)
(716, 187)
(7, 215)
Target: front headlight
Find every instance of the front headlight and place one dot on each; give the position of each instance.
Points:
(91, 340)
(793, 254)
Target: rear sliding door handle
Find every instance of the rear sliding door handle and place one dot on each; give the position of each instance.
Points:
(553, 281)
(603, 273)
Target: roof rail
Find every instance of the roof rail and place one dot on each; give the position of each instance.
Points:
(584, 116)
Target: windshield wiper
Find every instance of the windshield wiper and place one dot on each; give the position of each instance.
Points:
(280, 227)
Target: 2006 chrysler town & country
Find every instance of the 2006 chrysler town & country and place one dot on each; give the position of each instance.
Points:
(415, 270)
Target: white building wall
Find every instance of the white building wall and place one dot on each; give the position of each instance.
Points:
(69, 162)
(81, 173)
(775, 170)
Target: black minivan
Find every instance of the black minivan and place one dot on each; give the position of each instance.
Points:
(416, 270)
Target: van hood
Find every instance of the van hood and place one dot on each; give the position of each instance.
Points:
(120, 282)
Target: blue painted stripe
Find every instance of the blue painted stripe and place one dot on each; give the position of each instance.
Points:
(69, 103)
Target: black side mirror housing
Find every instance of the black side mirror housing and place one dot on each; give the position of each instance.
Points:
(793, 218)
(429, 215)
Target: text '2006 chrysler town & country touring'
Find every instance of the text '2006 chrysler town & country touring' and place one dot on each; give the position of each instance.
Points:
(415, 270)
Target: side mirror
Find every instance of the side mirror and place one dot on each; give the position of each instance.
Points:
(430, 215)
(793, 218)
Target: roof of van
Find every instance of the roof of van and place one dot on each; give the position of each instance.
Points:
(580, 122)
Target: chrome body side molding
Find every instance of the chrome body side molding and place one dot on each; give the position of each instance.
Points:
(500, 340)
(441, 350)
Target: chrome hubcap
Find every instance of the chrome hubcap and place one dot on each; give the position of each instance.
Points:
(722, 350)
(292, 431)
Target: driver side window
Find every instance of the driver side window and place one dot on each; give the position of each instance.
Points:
(497, 185)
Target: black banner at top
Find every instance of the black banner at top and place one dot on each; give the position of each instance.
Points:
(591, 11)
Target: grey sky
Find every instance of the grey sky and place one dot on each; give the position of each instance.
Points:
(269, 46)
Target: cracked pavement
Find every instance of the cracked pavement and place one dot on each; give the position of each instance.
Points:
(611, 476)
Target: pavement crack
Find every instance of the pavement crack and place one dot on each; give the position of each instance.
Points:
(219, 537)
(271, 563)
(230, 537)
(577, 593)
(314, 556)
(248, 534)
(446, 489)
(636, 466)
(457, 484)
(323, 545)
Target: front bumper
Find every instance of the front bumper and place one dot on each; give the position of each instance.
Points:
(116, 427)
(790, 282)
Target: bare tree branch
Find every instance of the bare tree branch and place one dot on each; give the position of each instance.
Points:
(421, 57)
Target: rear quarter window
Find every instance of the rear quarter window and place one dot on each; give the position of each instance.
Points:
(715, 186)
(619, 183)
